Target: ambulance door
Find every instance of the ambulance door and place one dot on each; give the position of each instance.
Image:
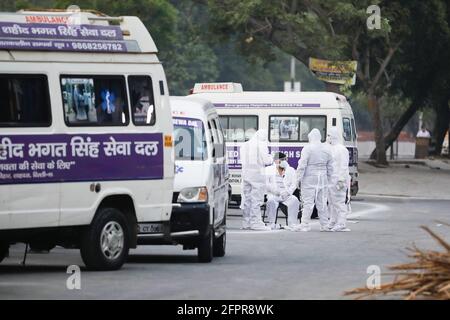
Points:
(220, 171)
(27, 153)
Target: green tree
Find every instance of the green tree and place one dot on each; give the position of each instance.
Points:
(188, 51)
(331, 29)
(184, 58)
(7, 5)
(191, 59)
(421, 68)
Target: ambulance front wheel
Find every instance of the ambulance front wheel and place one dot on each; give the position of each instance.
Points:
(220, 245)
(105, 243)
(205, 247)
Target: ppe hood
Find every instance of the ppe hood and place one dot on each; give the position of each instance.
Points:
(314, 136)
(259, 136)
(334, 136)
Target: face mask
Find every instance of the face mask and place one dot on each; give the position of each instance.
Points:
(283, 164)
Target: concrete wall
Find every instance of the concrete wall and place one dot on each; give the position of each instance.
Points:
(405, 149)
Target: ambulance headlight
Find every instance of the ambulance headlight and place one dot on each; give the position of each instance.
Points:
(197, 194)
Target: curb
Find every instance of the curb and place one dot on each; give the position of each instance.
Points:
(405, 197)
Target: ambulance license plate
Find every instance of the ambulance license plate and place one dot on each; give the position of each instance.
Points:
(146, 228)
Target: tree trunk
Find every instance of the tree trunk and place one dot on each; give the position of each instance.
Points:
(441, 125)
(398, 126)
(380, 152)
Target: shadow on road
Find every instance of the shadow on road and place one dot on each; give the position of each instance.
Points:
(15, 269)
(144, 258)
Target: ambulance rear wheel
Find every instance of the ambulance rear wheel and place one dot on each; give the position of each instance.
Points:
(105, 243)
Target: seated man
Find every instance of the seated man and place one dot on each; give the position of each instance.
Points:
(281, 184)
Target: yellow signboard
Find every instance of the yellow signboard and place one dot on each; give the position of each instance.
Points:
(339, 72)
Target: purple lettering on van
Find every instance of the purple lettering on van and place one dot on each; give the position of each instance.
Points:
(62, 37)
(293, 154)
(59, 31)
(187, 122)
(83, 157)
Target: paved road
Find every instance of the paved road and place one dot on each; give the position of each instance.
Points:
(258, 265)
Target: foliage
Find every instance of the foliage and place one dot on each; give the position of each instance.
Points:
(251, 42)
(336, 29)
(189, 52)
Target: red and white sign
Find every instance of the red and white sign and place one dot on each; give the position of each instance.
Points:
(224, 87)
(48, 19)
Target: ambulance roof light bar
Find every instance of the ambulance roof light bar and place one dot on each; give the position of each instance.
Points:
(97, 15)
(61, 11)
(112, 19)
(218, 87)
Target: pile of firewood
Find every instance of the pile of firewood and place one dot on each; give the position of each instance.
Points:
(427, 277)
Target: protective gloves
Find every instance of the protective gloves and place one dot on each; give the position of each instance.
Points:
(284, 195)
(340, 185)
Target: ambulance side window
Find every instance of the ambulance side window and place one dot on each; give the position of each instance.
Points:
(347, 129)
(25, 101)
(220, 144)
(224, 123)
(239, 128)
(354, 134)
(307, 123)
(213, 140)
(94, 100)
(284, 128)
(142, 100)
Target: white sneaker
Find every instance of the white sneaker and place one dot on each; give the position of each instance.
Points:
(259, 227)
(245, 226)
(325, 228)
(274, 226)
(302, 228)
(340, 228)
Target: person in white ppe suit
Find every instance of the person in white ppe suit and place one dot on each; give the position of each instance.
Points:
(254, 157)
(281, 184)
(315, 169)
(339, 184)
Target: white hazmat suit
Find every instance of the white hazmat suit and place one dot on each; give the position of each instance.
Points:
(339, 184)
(280, 189)
(315, 169)
(254, 157)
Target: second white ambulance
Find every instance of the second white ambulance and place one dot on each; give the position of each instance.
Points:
(288, 117)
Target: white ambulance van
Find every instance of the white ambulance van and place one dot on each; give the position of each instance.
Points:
(86, 155)
(201, 185)
(288, 117)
